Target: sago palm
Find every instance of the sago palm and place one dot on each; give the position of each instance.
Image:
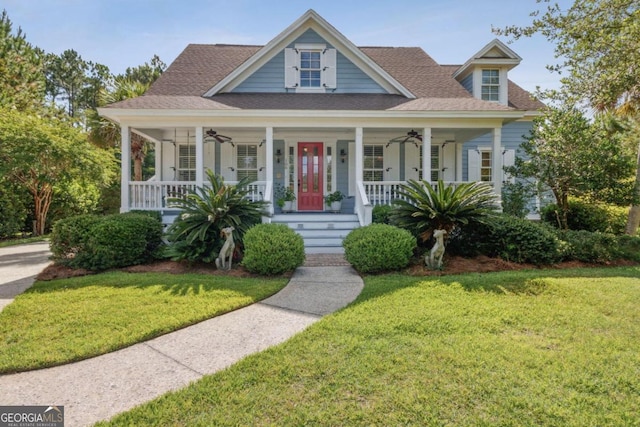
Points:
(195, 234)
(423, 208)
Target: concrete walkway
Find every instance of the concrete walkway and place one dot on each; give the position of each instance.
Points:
(19, 266)
(99, 388)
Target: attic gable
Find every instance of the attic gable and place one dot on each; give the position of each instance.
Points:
(310, 20)
(494, 53)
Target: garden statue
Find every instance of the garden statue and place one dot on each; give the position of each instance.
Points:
(227, 249)
(434, 259)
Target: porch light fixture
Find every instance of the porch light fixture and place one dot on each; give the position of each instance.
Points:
(278, 155)
(343, 155)
(212, 135)
(411, 136)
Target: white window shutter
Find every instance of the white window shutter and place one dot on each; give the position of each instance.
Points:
(329, 79)
(448, 162)
(391, 159)
(508, 159)
(290, 68)
(352, 169)
(473, 166)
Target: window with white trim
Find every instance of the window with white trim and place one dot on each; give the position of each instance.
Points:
(247, 161)
(373, 163)
(435, 163)
(310, 68)
(186, 162)
(490, 85)
(486, 166)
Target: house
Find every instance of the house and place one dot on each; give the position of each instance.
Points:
(313, 112)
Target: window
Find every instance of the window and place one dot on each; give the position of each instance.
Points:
(310, 68)
(186, 162)
(491, 85)
(373, 163)
(247, 164)
(329, 175)
(435, 163)
(485, 166)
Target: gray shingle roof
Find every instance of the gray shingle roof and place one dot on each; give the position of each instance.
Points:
(200, 67)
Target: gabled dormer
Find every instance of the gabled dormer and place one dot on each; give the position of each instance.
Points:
(485, 74)
(310, 56)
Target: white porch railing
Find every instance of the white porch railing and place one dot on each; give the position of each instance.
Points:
(154, 195)
(385, 192)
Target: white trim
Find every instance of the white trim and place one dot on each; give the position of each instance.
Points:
(512, 59)
(314, 21)
(125, 167)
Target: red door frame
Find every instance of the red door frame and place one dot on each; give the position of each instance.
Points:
(310, 176)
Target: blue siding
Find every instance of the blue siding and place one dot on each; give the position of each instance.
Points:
(467, 83)
(270, 77)
(512, 137)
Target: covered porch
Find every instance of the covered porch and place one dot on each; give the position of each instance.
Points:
(367, 162)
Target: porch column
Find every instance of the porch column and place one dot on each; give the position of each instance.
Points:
(158, 165)
(426, 154)
(269, 142)
(125, 167)
(199, 156)
(458, 162)
(496, 161)
(359, 156)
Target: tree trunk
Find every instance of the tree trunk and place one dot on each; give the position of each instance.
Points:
(42, 201)
(138, 154)
(633, 222)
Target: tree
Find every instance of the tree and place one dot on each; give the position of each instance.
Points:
(599, 43)
(39, 152)
(146, 73)
(21, 75)
(572, 156)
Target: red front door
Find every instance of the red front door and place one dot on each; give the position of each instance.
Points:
(310, 181)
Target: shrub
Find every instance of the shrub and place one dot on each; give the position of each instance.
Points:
(379, 247)
(589, 216)
(195, 234)
(380, 214)
(272, 249)
(628, 247)
(510, 238)
(98, 243)
(152, 214)
(13, 208)
(523, 241)
(69, 239)
(121, 240)
(589, 246)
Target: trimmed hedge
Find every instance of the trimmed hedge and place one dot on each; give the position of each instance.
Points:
(272, 249)
(380, 214)
(510, 238)
(379, 247)
(99, 243)
(587, 246)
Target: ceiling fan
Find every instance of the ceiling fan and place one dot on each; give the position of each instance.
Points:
(411, 136)
(212, 134)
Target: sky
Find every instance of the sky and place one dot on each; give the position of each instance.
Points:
(126, 33)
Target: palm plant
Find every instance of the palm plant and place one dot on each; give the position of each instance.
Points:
(195, 234)
(104, 132)
(423, 208)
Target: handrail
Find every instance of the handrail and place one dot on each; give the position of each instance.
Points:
(362, 206)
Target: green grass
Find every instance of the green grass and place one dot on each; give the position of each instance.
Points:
(72, 319)
(22, 241)
(532, 348)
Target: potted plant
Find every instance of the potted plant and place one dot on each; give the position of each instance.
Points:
(284, 198)
(334, 200)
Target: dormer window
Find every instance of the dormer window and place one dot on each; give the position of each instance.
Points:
(491, 85)
(310, 68)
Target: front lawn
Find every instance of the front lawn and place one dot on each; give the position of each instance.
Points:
(22, 241)
(554, 347)
(67, 320)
